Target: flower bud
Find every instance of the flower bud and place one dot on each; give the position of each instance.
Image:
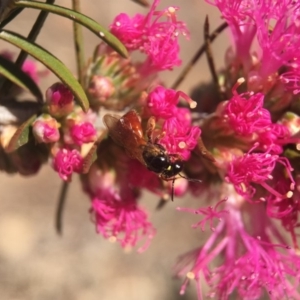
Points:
(59, 100)
(66, 162)
(101, 182)
(45, 129)
(101, 88)
(31, 69)
(83, 133)
(78, 132)
(180, 186)
(291, 121)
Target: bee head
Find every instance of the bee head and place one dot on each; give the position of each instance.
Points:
(173, 169)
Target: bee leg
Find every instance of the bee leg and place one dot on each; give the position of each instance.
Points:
(150, 128)
(158, 137)
(163, 201)
(172, 194)
(166, 179)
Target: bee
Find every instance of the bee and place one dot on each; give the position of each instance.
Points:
(127, 132)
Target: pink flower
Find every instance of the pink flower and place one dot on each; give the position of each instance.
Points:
(178, 138)
(233, 11)
(239, 16)
(285, 209)
(177, 134)
(180, 186)
(139, 176)
(101, 183)
(251, 263)
(30, 67)
(275, 25)
(101, 88)
(67, 161)
(280, 45)
(45, 129)
(291, 80)
(163, 54)
(153, 35)
(262, 267)
(273, 137)
(162, 103)
(83, 133)
(256, 168)
(114, 206)
(211, 214)
(245, 113)
(129, 31)
(60, 100)
(122, 221)
(184, 116)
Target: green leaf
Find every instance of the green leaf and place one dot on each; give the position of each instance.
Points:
(9, 70)
(51, 62)
(291, 154)
(85, 21)
(21, 136)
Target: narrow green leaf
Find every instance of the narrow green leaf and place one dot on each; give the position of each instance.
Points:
(290, 154)
(21, 136)
(9, 70)
(85, 21)
(51, 62)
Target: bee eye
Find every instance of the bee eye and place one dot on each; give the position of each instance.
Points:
(177, 167)
(157, 163)
(173, 169)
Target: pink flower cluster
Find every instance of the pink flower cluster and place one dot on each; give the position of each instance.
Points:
(155, 34)
(251, 263)
(179, 136)
(275, 25)
(46, 129)
(66, 161)
(66, 129)
(246, 152)
(257, 168)
(119, 85)
(115, 210)
(123, 222)
(254, 137)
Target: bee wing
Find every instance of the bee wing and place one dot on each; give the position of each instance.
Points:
(127, 132)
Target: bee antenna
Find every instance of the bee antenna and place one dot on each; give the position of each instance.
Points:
(189, 179)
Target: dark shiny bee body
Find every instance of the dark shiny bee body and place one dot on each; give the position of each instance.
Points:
(127, 132)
